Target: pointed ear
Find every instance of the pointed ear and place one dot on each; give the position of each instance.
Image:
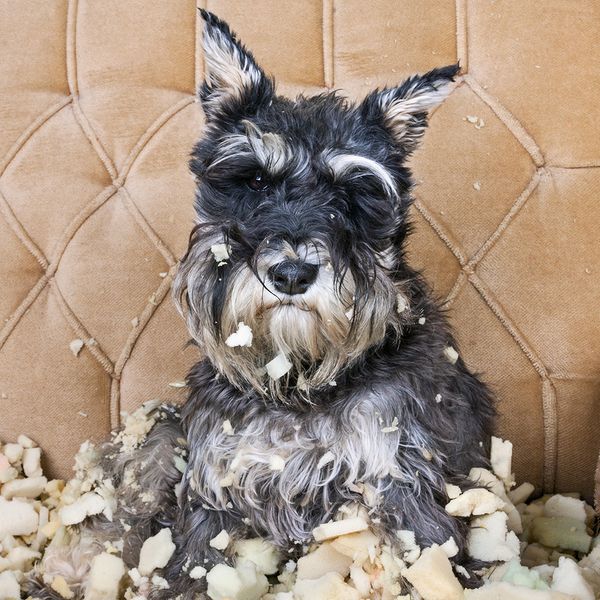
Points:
(233, 80)
(403, 110)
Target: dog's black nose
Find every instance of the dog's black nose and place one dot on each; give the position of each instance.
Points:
(293, 276)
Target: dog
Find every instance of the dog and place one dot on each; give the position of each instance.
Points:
(330, 370)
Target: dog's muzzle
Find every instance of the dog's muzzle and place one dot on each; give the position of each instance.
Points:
(293, 276)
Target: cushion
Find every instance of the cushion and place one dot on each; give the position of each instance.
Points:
(98, 116)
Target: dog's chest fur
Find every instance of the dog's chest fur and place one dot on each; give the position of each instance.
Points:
(275, 468)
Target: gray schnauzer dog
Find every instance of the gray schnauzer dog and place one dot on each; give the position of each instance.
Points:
(350, 381)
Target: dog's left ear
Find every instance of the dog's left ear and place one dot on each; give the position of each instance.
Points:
(234, 86)
(403, 110)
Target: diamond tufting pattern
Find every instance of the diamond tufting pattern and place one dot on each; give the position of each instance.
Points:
(97, 117)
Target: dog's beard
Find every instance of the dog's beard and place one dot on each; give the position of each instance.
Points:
(320, 332)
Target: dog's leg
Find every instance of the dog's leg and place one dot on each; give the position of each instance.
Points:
(145, 480)
(420, 509)
(195, 528)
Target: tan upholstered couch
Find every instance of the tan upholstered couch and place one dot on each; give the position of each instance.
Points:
(97, 117)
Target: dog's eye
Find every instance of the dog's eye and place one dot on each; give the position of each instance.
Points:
(259, 183)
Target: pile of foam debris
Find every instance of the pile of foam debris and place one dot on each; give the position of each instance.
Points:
(541, 550)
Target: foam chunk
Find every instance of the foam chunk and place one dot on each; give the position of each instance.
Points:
(156, 552)
(278, 367)
(432, 576)
(507, 591)
(357, 546)
(410, 549)
(260, 552)
(325, 559)
(449, 547)
(568, 578)
(560, 532)
(490, 540)
(476, 501)
(31, 487)
(328, 587)
(220, 252)
(564, 506)
(241, 337)
(105, 577)
(452, 491)
(18, 518)
(87, 505)
(521, 493)
(241, 583)
(60, 586)
(14, 452)
(198, 572)
(220, 541)
(501, 459)
(32, 462)
(9, 586)
(520, 575)
(334, 529)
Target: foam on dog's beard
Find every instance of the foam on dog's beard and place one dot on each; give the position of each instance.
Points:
(320, 332)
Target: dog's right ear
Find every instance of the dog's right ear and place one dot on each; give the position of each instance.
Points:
(234, 86)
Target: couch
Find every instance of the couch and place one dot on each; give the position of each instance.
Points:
(97, 118)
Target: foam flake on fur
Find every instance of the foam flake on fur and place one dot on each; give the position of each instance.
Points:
(221, 252)
(243, 582)
(156, 552)
(278, 367)
(325, 559)
(241, 337)
(334, 529)
(220, 541)
(258, 551)
(105, 577)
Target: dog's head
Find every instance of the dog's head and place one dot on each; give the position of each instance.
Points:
(301, 216)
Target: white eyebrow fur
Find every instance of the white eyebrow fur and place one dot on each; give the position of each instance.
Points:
(270, 149)
(341, 164)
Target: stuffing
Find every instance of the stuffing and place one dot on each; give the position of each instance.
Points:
(541, 550)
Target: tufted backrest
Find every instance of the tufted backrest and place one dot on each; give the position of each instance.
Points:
(97, 118)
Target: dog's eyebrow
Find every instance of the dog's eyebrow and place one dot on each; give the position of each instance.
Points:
(341, 164)
(269, 149)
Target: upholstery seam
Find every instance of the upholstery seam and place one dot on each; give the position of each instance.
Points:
(327, 42)
(23, 307)
(459, 284)
(79, 329)
(150, 133)
(550, 412)
(507, 220)
(36, 124)
(20, 232)
(560, 376)
(503, 317)
(73, 227)
(462, 38)
(509, 120)
(156, 299)
(441, 232)
(114, 404)
(147, 229)
(73, 81)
